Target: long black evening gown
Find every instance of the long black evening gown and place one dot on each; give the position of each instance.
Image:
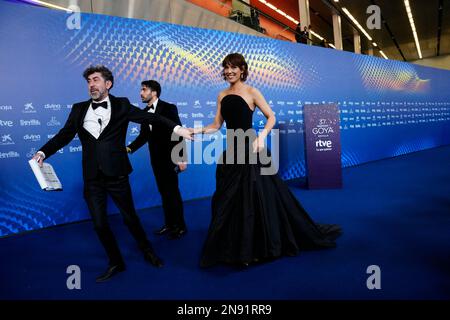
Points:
(256, 217)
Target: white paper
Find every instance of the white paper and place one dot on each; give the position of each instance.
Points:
(46, 176)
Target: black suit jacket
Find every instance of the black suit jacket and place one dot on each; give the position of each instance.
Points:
(159, 138)
(108, 152)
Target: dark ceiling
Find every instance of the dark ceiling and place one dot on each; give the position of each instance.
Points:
(395, 37)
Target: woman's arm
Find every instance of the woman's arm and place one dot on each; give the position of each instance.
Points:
(216, 124)
(262, 104)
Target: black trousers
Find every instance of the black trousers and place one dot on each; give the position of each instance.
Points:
(95, 194)
(167, 182)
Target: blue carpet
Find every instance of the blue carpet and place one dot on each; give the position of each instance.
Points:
(395, 213)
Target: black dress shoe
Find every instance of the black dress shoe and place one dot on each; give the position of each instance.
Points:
(177, 233)
(164, 229)
(151, 257)
(110, 272)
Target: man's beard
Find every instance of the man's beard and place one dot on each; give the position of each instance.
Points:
(96, 95)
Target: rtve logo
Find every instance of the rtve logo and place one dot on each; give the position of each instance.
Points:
(326, 144)
(6, 123)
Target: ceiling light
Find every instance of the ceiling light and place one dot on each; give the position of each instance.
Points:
(384, 56)
(284, 14)
(356, 23)
(321, 38)
(316, 35)
(413, 27)
(46, 4)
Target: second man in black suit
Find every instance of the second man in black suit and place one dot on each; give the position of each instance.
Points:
(164, 167)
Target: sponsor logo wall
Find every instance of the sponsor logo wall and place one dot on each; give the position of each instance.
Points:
(386, 108)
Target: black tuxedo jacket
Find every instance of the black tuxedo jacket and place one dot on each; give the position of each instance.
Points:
(159, 138)
(108, 152)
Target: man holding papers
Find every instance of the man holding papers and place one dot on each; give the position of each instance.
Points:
(46, 176)
(101, 124)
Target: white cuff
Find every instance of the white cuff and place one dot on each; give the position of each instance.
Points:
(176, 129)
(41, 154)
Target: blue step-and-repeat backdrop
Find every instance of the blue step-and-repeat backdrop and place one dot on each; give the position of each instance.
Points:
(387, 108)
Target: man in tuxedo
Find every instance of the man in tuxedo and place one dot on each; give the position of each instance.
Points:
(164, 167)
(101, 123)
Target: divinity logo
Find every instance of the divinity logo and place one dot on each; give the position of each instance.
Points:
(52, 106)
(32, 137)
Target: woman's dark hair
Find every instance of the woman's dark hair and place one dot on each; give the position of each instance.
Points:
(236, 60)
(105, 72)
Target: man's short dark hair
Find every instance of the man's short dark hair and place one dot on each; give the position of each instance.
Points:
(104, 71)
(152, 85)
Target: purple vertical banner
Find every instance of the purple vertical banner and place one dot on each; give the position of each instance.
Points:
(322, 146)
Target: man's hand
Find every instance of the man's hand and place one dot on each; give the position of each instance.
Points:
(39, 158)
(185, 133)
(196, 130)
(182, 166)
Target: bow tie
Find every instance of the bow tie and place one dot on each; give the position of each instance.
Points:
(152, 107)
(103, 104)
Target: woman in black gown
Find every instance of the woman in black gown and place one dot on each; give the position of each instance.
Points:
(254, 216)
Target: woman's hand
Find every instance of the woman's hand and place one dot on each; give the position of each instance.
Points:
(182, 166)
(195, 131)
(258, 144)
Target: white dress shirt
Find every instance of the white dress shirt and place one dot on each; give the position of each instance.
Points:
(96, 120)
(155, 104)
